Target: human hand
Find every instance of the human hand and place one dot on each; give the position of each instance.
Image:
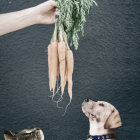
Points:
(41, 14)
(46, 12)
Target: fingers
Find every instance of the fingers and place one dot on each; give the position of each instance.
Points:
(53, 20)
(56, 13)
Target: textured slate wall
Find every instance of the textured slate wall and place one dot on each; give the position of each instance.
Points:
(106, 68)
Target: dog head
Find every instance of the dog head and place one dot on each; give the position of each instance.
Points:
(32, 134)
(102, 111)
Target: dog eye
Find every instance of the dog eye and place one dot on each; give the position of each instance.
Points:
(101, 104)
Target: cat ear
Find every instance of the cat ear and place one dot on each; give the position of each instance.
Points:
(9, 135)
(113, 120)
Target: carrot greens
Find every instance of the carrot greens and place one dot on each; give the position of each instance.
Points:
(72, 18)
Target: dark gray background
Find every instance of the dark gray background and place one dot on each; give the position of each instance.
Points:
(106, 68)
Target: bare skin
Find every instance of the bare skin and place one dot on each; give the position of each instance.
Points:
(41, 14)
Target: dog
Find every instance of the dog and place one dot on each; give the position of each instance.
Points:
(31, 134)
(104, 119)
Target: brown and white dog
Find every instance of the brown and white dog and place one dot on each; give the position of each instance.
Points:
(103, 117)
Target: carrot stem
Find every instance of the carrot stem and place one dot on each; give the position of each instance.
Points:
(54, 37)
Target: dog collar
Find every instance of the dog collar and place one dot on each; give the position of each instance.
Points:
(101, 137)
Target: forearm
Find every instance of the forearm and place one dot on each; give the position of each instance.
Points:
(17, 20)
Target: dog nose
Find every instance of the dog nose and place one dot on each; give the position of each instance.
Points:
(87, 100)
(37, 128)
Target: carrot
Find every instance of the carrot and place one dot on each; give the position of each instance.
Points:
(62, 57)
(66, 73)
(49, 65)
(54, 63)
(70, 67)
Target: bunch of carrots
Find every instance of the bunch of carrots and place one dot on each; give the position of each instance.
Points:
(60, 63)
(69, 25)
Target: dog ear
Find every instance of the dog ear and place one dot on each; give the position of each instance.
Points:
(114, 120)
(87, 114)
(9, 135)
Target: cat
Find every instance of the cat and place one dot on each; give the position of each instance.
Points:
(27, 134)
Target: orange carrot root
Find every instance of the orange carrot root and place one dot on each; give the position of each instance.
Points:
(54, 62)
(49, 65)
(70, 66)
(62, 57)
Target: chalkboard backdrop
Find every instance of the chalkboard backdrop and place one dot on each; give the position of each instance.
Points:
(106, 68)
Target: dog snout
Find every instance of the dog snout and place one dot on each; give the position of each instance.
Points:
(86, 100)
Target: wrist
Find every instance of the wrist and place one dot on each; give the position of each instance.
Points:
(36, 15)
(33, 14)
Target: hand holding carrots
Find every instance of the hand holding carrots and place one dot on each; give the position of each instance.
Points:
(67, 28)
(46, 12)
